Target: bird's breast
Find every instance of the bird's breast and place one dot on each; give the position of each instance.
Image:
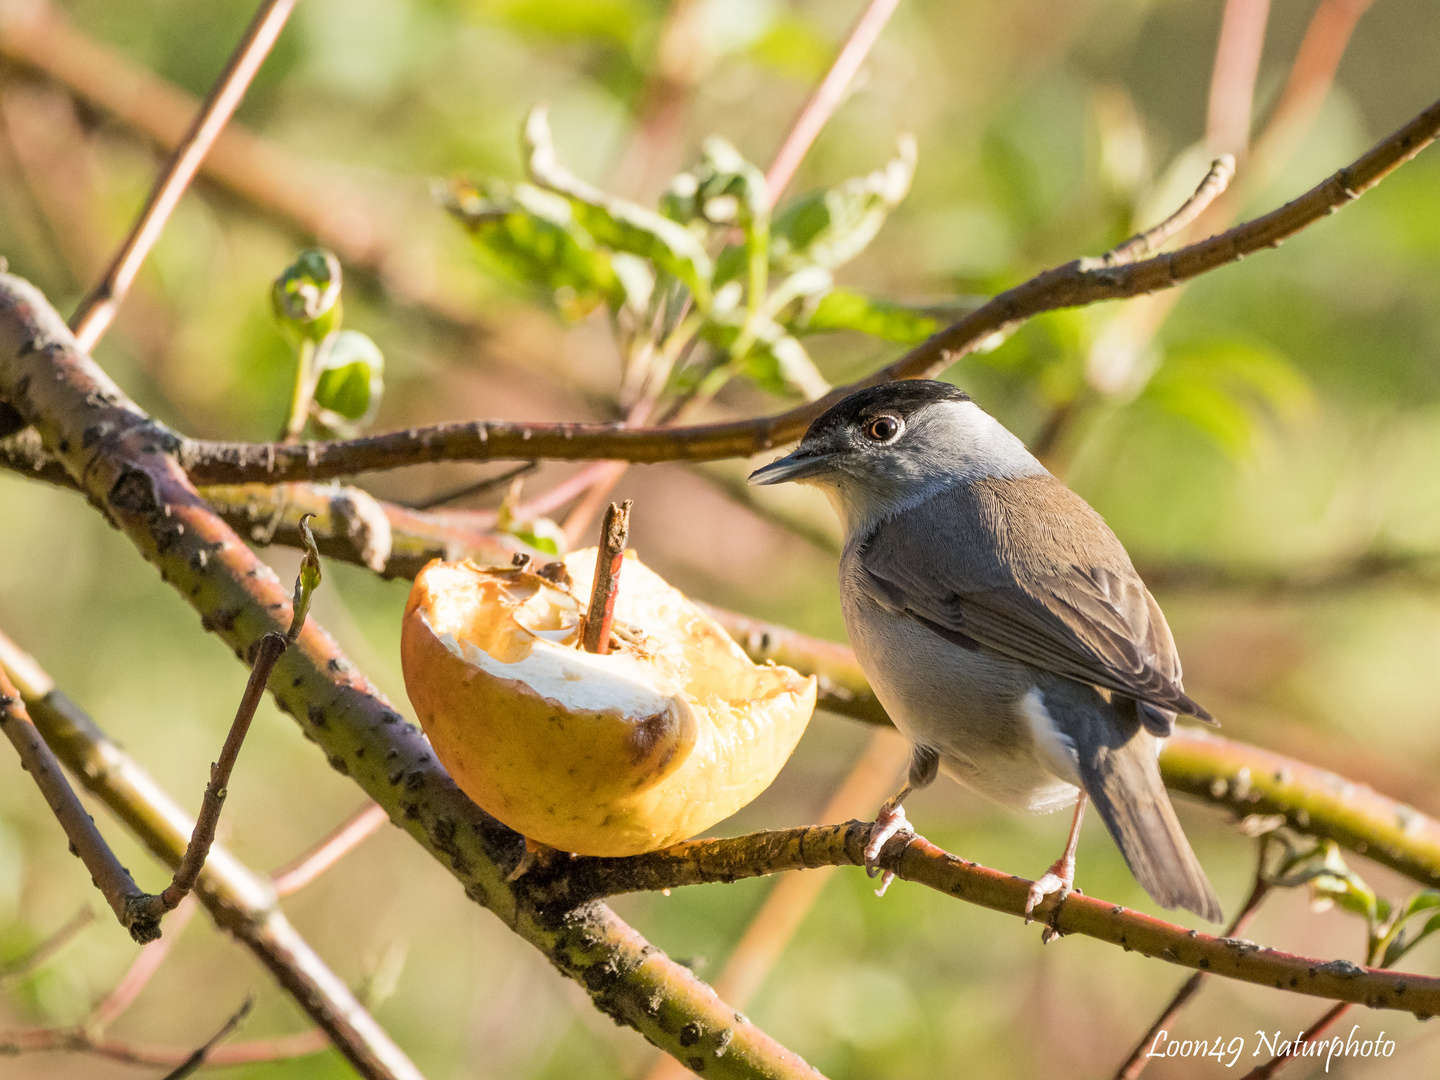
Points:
(966, 704)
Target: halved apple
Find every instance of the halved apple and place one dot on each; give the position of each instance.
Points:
(649, 744)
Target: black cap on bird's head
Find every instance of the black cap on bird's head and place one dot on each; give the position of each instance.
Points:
(866, 424)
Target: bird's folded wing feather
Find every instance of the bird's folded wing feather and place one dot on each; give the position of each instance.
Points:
(965, 563)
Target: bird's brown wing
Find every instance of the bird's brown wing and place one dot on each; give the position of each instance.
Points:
(961, 564)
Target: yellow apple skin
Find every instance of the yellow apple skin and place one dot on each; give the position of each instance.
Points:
(619, 754)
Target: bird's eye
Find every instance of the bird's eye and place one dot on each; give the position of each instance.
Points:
(883, 428)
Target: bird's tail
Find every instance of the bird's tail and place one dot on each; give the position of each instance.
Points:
(1122, 776)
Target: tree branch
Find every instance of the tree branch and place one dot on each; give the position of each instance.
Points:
(828, 95)
(111, 878)
(313, 202)
(238, 900)
(1075, 284)
(1211, 187)
(124, 467)
(916, 859)
(97, 310)
(1135, 1064)
(296, 874)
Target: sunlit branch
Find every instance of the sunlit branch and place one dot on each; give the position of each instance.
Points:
(97, 310)
(1075, 284)
(916, 859)
(295, 875)
(828, 95)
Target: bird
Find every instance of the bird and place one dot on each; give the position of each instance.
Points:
(1003, 627)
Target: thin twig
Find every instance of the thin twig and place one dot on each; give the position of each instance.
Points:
(1232, 83)
(141, 970)
(609, 558)
(1260, 887)
(24, 966)
(490, 483)
(201, 1053)
(97, 310)
(1081, 282)
(110, 877)
(1275, 1064)
(272, 646)
(76, 1040)
(1222, 171)
(239, 901)
(828, 95)
(301, 871)
(311, 202)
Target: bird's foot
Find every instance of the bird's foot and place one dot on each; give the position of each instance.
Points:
(1059, 879)
(889, 821)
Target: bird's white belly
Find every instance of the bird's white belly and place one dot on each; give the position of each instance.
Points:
(966, 705)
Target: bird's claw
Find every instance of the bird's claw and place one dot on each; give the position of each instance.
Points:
(888, 822)
(1059, 880)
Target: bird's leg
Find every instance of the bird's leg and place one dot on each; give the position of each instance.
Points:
(924, 764)
(1060, 878)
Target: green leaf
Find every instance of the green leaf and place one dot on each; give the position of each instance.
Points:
(829, 228)
(531, 236)
(1402, 942)
(775, 361)
(351, 376)
(615, 223)
(841, 309)
(306, 296)
(542, 534)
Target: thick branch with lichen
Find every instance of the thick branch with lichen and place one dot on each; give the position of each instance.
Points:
(124, 463)
(1075, 284)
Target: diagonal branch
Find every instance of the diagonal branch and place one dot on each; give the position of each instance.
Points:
(95, 313)
(120, 457)
(1075, 284)
(828, 95)
(109, 876)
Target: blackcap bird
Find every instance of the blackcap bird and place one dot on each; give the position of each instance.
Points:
(1002, 625)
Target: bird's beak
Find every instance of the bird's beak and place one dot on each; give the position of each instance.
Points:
(794, 466)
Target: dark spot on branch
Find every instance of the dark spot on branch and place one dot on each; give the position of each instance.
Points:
(134, 492)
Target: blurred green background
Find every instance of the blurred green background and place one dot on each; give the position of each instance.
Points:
(1284, 419)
